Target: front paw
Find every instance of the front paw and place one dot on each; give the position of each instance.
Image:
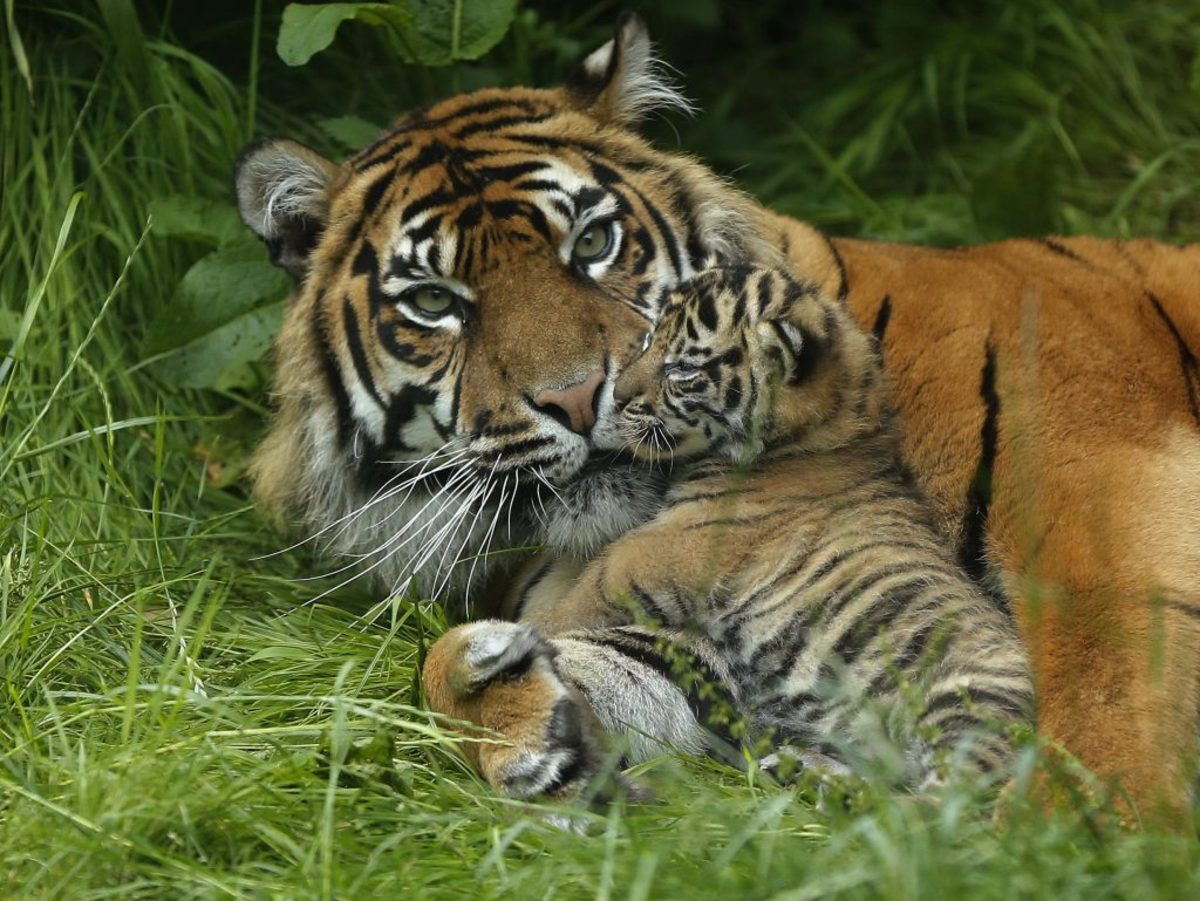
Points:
(502, 677)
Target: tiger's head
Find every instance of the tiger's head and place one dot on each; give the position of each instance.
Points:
(467, 288)
(742, 358)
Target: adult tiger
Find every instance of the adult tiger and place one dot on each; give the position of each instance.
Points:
(469, 284)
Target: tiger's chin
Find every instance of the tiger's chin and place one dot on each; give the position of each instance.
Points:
(609, 496)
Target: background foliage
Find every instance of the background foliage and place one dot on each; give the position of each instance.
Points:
(176, 715)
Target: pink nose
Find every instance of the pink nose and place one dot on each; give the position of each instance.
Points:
(575, 405)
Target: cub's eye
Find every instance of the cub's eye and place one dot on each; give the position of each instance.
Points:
(680, 372)
(593, 242)
(432, 300)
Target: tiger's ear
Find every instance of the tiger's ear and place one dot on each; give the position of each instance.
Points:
(622, 81)
(283, 196)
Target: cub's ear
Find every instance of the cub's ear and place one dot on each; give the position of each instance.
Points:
(283, 196)
(801, 339)
(622, 81)
(785, 342)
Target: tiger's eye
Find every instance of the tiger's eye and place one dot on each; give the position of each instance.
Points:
(593, 241)
(434, 301)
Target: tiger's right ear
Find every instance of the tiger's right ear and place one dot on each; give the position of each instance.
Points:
(622, 81)
(283, 196)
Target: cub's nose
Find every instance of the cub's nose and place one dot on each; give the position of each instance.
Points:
(573, 406)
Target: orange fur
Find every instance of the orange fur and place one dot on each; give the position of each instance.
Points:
(1095, 487)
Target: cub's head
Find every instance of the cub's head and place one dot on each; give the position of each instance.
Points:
(742, 358)
(467, 288)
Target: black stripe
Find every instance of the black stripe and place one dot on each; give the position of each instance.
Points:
(402, 409)
(649, 605)
(374, 193)
(528, 588)
(1187, 359)
(882, 319)
(333, 375)
(358, 353)
(481, 108)
(1061, 249)
(376, 153)
(843, 281)
(437, 197)
(1016, 703)
(1186, 609)
(497, 123)
(972, 553)
(703, 695)
(892, 603)
(913, 650)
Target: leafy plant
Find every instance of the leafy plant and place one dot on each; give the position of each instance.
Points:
(429, 32)
(226, 308)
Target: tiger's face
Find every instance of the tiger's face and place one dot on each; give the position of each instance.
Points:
(467, 289)
(743, 357)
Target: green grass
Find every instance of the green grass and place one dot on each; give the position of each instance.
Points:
(176, 719)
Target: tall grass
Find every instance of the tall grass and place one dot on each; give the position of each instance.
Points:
(176, 720)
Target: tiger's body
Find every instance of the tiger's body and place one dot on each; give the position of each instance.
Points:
(469, 287)
(793, 537)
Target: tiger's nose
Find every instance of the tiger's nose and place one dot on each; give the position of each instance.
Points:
(575, 405)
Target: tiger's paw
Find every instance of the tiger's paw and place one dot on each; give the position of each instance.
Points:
(502, 677)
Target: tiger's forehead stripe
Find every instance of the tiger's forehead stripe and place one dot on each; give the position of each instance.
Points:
(493, 111)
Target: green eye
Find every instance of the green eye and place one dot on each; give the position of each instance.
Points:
(431, 300)
(593, 242)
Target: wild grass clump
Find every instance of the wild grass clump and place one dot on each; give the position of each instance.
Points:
(177, 719)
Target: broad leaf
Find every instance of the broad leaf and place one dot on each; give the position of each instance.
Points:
(183, 216)
(225, 312)
(447, 30)
(307, 29)
(351, 131)
(216, 359)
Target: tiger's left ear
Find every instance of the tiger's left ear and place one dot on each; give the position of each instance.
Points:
(283, 196)
(622, 81)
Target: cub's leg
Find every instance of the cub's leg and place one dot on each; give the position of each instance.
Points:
(555, 704)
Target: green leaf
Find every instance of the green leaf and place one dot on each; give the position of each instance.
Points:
(448, 30)
(213, 360)
(350, 131)
(225, 313)
(307, 29)
(183, 216)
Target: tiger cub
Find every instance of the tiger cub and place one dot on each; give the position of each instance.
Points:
(793, 537)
